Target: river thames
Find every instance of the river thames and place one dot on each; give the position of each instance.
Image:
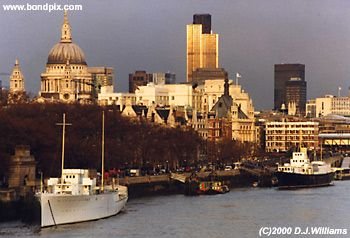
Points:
(239, 213)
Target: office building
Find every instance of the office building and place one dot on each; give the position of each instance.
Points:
(202, 46)
(327, 105)
(139, 78)
(280, 136)
(202, 74)
(102, 80)
(204, 20)
(283, 74)
(163, 78)
(296, 95)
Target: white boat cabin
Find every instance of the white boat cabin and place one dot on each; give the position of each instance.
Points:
(300, 164)
(75, 182)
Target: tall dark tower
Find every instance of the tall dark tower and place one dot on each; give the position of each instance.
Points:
(296, 93)
(283, 74)
(205, 20)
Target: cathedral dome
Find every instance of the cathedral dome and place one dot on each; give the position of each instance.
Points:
(63, 51)
(66, 50)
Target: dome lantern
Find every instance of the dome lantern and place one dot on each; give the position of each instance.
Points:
(66, 32)
(66, 49)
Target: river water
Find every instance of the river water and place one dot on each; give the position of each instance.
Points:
(239, 213)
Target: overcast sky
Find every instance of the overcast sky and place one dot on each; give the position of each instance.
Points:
(150, 35)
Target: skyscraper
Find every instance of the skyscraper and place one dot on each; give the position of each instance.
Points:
(283, 74)
(202, 45)
(204, 20)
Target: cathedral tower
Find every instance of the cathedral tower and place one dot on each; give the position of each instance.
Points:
(17, 91)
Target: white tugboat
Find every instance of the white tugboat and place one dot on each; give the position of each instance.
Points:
(300, 172)
(75, 197)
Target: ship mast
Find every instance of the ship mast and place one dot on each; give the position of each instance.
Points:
(63, 124)
(103, 151)
(300, 139)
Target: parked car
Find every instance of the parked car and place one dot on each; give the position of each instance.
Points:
(228, 167)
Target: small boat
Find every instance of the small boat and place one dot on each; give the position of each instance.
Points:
(301, 173)
(209, 186)
(75, 196)
(212, 188)
(343, 173)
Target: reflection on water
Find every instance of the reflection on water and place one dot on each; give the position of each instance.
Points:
(239, 213)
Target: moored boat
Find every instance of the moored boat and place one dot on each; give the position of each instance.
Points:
(301, 173)
(205, 186)
(211, 188)
(75, 196)
(343, 173)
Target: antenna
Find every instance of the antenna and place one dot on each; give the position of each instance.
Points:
(63, 124)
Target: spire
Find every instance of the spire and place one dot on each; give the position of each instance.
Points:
(226, 87)
(16, 62)
(66, 36)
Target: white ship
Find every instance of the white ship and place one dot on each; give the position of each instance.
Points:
(75, 197)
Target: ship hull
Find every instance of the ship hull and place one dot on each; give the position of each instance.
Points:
(294, 180)
(65, 209)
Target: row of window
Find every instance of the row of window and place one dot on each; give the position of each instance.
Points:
(287, 144)
(309, 125)
(290, 138)
(310, 131)
(62, 67)
(245, 127)
(289, 169)
(296, 161)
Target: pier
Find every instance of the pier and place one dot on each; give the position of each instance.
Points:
(174, 182)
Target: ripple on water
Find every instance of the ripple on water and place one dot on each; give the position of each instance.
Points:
(239, 213)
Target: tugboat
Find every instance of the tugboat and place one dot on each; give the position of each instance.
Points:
(301, 173)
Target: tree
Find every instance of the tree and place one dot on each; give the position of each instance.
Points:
(130, 142)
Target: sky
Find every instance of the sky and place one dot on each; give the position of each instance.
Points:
(150, 35)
